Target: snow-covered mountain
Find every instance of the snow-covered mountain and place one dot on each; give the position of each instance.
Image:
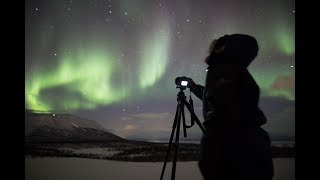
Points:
(51, 127)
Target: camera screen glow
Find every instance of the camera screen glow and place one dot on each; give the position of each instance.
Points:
(184, 83)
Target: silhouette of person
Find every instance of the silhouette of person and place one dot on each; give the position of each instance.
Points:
(234, 146)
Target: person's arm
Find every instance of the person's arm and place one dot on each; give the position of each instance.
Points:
(196, 89)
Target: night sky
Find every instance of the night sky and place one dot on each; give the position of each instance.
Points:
(115, 61)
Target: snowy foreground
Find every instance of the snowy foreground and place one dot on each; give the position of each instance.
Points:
(87, 169)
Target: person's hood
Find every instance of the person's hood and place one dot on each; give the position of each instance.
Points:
(239, 49)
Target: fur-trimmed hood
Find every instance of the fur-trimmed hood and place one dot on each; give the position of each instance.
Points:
(238, 49)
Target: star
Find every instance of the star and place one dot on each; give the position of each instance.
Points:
(37, 9)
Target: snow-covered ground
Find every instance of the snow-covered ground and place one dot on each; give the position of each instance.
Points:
(107, 152)
(89, 169)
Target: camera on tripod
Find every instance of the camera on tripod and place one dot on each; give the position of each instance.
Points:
(182, 82)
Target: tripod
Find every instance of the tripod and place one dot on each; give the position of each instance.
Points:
(181, 98)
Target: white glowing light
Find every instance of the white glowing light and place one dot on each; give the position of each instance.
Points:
(75, 125)
(184, 83)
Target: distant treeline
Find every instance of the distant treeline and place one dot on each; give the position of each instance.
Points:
(128, 151)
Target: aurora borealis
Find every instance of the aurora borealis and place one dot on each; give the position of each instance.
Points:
(115, 61)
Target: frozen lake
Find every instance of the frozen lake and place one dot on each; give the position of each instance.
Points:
(87, 169)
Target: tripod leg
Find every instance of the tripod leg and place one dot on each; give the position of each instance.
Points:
(171, 138)
(199, 123)
(176, 144)
(183, 121)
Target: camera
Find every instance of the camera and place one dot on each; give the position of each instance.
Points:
(182, 81)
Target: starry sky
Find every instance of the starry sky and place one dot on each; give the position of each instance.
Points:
(115, 61)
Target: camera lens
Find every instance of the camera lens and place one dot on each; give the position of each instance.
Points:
(177, 81)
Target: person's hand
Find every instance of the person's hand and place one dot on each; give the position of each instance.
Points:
(191, 83)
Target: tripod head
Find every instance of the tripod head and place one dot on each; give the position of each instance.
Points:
(181, 95)
(182, 88)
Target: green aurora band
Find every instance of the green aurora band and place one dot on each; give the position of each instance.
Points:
(285, 39)
(86, 74)
(155, 56)
(91, 76)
